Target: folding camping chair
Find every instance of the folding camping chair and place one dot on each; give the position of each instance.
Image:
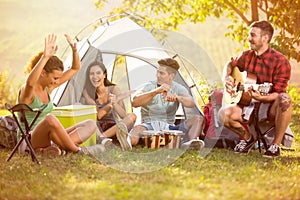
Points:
(25, 134)
(260, 136)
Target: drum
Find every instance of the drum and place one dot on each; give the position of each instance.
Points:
(152, 139)
(172, 138)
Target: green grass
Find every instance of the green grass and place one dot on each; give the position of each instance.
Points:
(149, 174)
(220, 175)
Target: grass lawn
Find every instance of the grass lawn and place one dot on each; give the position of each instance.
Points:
(162, 174)
(220, 175)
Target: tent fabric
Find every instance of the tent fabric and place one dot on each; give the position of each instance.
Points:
(130, 54)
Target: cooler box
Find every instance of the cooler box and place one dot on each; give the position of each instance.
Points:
(73, 114)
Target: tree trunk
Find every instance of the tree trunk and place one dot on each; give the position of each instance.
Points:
(254, 10)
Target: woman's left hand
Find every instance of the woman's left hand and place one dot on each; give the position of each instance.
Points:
(71, 43)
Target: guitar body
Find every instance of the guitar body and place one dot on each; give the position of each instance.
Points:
(245, 99)
(242, 81)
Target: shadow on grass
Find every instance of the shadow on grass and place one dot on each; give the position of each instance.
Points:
(139, 160)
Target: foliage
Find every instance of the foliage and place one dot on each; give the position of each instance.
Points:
(8, 89)
(294, 93)
(166, 14)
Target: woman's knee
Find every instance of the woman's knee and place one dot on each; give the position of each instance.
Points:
(51, 121)
(90, 124)
(132, 117)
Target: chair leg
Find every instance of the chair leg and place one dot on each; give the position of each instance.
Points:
(260, 137)
(32, 153)
(15, 149)
(263, 140)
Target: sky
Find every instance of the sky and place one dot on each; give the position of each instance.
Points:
(25, 24)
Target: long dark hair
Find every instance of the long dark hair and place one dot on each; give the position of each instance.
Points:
(91, 90)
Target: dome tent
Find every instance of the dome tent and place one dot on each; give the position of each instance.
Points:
(130, 54)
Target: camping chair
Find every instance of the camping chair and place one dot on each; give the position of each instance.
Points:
(260, 136)
(25, 134)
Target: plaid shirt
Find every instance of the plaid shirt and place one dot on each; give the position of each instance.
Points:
(270, 67)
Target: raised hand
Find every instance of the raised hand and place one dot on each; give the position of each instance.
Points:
(50, 45)
(71, 43)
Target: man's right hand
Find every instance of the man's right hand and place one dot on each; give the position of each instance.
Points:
(164, 88)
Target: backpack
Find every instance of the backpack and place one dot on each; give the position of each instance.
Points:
(8, 132)
(216, 135)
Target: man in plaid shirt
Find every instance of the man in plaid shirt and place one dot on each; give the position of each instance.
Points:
(270, 66)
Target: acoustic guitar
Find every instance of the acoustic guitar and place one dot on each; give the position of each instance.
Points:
(243, 81)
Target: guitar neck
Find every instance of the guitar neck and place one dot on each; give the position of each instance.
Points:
(243, 87)
(263, 88)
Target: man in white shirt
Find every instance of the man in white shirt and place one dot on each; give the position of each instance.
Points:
(159, 101)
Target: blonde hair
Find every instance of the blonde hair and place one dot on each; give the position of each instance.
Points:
(54, 63)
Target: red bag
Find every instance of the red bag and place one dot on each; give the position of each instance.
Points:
(211, 110)
(216, 135)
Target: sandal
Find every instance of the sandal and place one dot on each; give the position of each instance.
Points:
(50, 151)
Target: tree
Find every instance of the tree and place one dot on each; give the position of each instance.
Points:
(169, 14)
(8, 91)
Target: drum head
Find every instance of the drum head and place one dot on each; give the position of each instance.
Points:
(150, 133)
(173, 132)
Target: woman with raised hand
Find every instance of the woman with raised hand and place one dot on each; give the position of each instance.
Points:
(46, 72)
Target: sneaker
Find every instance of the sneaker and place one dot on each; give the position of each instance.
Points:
(107, 142)
(194, 144)
(51, 151)
(244, 147)
(272, 152)
(123, 136)
(92, 150)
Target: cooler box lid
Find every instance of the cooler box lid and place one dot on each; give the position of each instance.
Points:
(74, 110)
